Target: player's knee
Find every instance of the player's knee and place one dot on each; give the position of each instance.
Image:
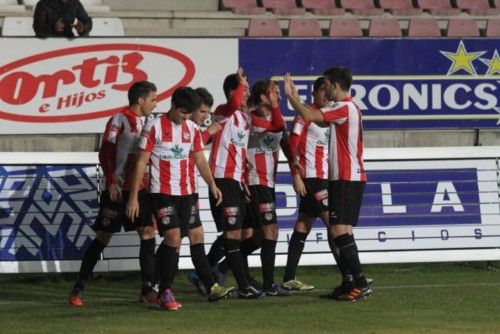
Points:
(271, 232)
(146, 232)
(196, 236)
(172, 238)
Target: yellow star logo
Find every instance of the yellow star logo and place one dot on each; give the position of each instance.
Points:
(462, 60)
(493, 64)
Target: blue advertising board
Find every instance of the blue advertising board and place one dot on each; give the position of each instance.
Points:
(398, 83)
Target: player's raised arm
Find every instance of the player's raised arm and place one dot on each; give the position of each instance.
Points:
(303, 110)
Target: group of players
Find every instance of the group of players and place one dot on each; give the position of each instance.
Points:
(151, 166)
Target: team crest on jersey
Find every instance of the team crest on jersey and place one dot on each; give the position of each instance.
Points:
(240, 141)
(186, 136)
(267, 144)
(325, 139)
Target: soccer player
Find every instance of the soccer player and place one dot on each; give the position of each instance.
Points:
(228, 161)
(117, 157)
(168, 143)
(263, 154)
(347, 177)
(309, 144)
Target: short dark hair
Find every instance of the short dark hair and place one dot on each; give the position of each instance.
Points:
(260, 87)
(205, 96)
(139, 89)
(186, 98)
(230, 83)
(340, 75)
(318, 83)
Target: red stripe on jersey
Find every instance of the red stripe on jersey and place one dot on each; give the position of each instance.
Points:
(183, 184)
(215, 148)
(261, 167)
(318, 163)
(166, 129)
(186, 137)
(192, 174)
(165, 177)
(230, 163)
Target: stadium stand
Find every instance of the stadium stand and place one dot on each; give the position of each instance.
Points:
(477, 7)
(322, 7)
(101, 26)
(91, 6)
(304, 28)
(283, 7)
(10, 6)
(493, 28)
(245, 7)
(423, 28)
(438, 7)
(462, 28)
(385, 27)
(345, 27)
(400, 7)
(264, 28)
(361, 7)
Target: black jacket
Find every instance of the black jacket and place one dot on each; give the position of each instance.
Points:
(47, 12)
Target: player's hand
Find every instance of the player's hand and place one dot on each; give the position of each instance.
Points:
(216, 193)
(242, 78)
(115, 193)
(214, 128)
(299, 186)
(132, 208)
(272, 96)
(248, 195)
(59, 26)
(78, 26)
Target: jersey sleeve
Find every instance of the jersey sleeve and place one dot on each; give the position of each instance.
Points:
(148, 137)
(107, 152)
(197, 145)
(337, 113)
(276, 124)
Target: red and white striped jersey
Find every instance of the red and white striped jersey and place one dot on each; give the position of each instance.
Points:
(170, 145)
(346, 140)
(309, 143)
(193, 171)
(263, 154)
(119, 147)
(229, 148)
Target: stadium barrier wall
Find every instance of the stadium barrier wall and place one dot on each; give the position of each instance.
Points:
(420, 205)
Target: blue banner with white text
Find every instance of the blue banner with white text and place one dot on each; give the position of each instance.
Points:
(398, 83)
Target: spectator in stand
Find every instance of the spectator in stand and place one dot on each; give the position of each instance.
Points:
(61, 18)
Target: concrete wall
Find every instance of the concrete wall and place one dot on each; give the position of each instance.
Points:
(163, 5)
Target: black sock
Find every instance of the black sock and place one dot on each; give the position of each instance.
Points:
(349, 255)
(167, 260)
(346, 274)
(201, 265)
(216, 252)
(247, 247)
(147, 263)
(235, 262)
(268, 257)
(89, 261)
(295, 248)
